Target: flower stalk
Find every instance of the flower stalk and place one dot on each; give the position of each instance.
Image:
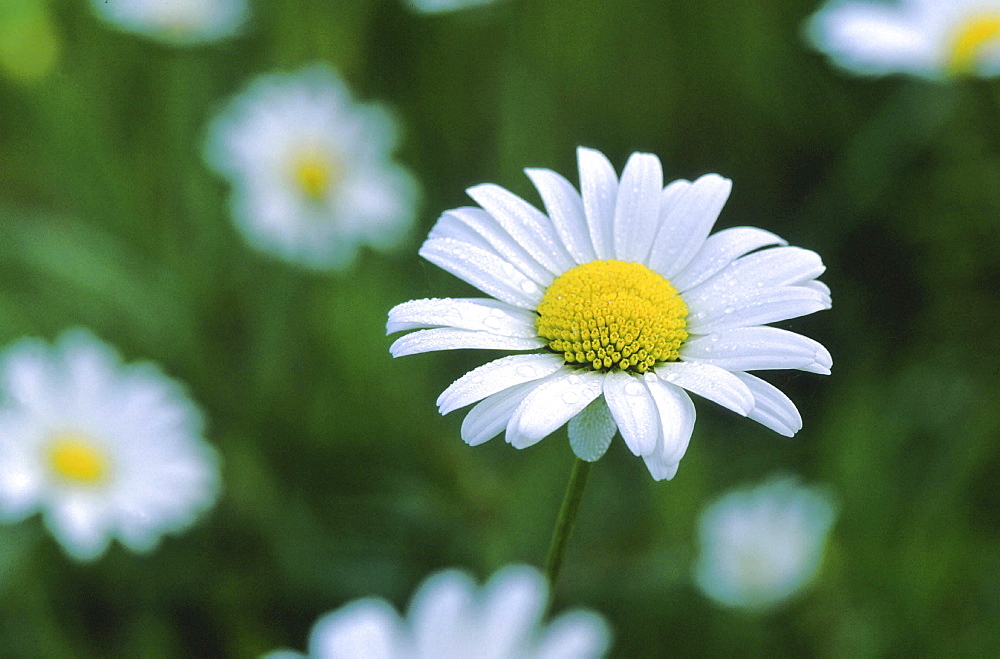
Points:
(564, 523)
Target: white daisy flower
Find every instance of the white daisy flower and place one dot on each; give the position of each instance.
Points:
(176, 22)
(761, 547)
(450, 617)
(928, 38)
(103, 450)
(311, 169)
(442, 6)
(624, 302)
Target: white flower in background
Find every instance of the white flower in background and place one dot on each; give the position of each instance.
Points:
(103, 450)
(311, 169)
(450, 617)
(176, 22)
(929, 38)
(626, 303)
(442, 6)
(760, 547)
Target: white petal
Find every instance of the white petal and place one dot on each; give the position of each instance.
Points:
(512, 605)
(575, 635)
(773, 409)
(455, 224)
(637, 208)
(368, 627)
(709, 382)
(719, 250)
(634, 411)
(22, 482)
(484, 270)
(685, 224)
(552, 403)
(496, 376)
(744, 308)
(872, 39)
(758, 348)
(777, 266)
(672, 194)
(677, 417)
(80, 526)
(817, 285)
(565, 208)
(591, 431)
(445, 338)
(27, 373)
(530, 227)
(459, 223)
(599, 189)
(482, 315)
(490, 416)
(439, 611)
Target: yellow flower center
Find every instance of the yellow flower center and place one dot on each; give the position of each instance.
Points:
(315, 174)
(613, 315)
(74, 457)
(970, 39)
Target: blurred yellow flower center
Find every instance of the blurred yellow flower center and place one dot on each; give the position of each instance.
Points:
(315, 174)
(613, 315)
(75, 458)
(971, 38)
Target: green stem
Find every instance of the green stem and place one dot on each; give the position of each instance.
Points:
(564, 524)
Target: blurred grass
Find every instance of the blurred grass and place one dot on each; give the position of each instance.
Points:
(340, 478)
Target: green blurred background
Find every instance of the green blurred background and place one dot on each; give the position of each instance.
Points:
(340, 478)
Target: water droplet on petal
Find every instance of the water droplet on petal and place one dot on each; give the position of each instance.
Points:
(570, 397)
(492, 322)
(529, 286)
(573, 379)
(671, 377)
(526, 371)
(633, 389)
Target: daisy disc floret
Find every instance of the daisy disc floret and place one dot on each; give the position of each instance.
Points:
(623, 303)
(312, 174)
(450, 616)
(612, 315)
(101, 449)
(927, 38)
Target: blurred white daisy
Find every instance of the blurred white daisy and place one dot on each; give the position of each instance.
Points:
(103, 450)
(311, 169)
(626, 303)
(761, 547)
(442, 6)
(929, 38)
(176, 22)
(450, 617)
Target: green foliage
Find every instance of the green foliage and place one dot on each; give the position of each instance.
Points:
(340, 479)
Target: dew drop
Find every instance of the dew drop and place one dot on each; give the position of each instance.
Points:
(671, 377)
(728, 310)
(492, 322)
(573, 379)
(526, 371)
(633, 389)
(570, 397)
(529, 286)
